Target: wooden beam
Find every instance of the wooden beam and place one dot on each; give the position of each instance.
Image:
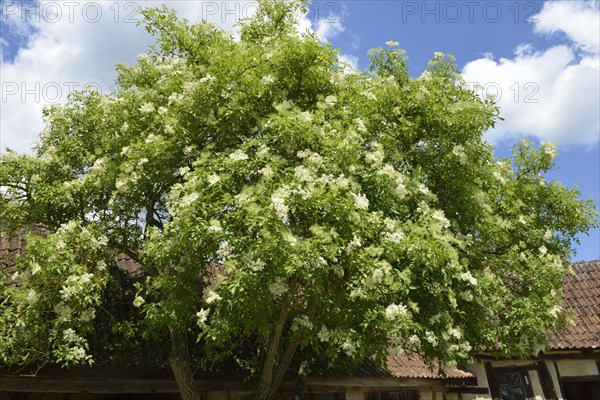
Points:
(469, 390)
(389, 382)
(583, 378)
(107, 386)
(582, 355)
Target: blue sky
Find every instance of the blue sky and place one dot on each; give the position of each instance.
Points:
(541, 59)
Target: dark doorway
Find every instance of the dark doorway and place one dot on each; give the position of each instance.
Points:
(403, 395)
(586, 390)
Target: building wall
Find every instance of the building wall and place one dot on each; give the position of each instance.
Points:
(568, 368)
(559, 371)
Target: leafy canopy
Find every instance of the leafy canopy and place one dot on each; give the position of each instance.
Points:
(356, 211)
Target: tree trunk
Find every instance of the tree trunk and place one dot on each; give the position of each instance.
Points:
(179, 360)
(301, 380)
(271, 378)
(266, 379)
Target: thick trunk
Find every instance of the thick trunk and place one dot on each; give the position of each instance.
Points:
(181, 366)
(271, 378)
(301, 380)
(266, 379)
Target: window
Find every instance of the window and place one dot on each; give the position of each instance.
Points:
(513, 382)
(511, 386)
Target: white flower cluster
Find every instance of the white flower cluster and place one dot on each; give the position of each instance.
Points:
(354, 244)
(75, 284)
(138, 301)
(35, 268)
(213, 179)
(549, 149)
(388, 170)
(290, 238)
(215, 226)
(431, 338)
(266, 171)
(263, 151)
(374, 157)
(202, 316)
(305, 116)
(360, 124)
(324, 334)
(268, 79)
(349, 348)
(69, 335)
(467, 277)
(87, 315)
(394, 237)
(336, 182)
(395, 311)
(313, 158)
(396, 351)
(499, 177)
(256, 265)
(189, 87)
(208, 79)
(414, 341)
(78, 353)
(238, 155)
(210, 295)
(278, 287)
(422, 93)
(175, 98)
(462, 349)
(147, 108)
(360, 201)
(378, 274)
(31, 297)
(330, 101)
(151, 138)
(301, 323)
(278, 202)
(425, 76)
(183, 171)
(303, 174)
(555, 311)
(187, 200)
(224, 250)
(439, 216)
(459, 152)
(370, 96)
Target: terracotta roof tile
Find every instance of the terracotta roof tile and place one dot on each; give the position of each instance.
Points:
(400, 366)
(582, 297)
(404, 366)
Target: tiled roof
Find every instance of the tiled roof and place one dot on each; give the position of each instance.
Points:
(582, 297)
(10, 248)
(400, 366)
(405, 366)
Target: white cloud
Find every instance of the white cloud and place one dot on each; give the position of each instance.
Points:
(350, 61)
(550, 94)
(72, 44)
(579, 20)
(326, 29)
